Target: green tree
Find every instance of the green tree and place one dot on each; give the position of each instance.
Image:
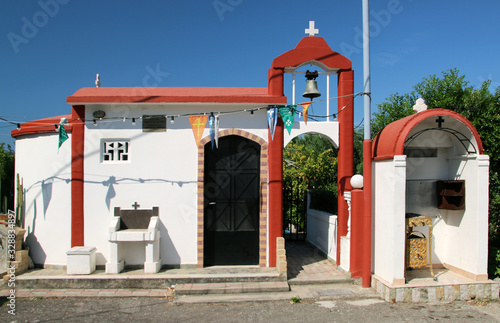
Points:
(358, 150)
(310, 163)
(396, 107)
(480, 106)
(7, 177)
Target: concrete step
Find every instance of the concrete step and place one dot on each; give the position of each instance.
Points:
(90, 283)
(323, 280)
(136, 279)
(232, 288)
(303, 292)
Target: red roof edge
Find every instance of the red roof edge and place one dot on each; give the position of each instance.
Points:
(174, 95)
(42, 126)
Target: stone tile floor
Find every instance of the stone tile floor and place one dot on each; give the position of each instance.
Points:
(306, 264)
(164, 273)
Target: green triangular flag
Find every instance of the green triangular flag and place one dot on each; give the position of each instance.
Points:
(63, 136)
(288, 115)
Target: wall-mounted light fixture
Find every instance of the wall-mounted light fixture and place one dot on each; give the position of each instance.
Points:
(99, 114)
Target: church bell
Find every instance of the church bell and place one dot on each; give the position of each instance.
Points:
(311, 85)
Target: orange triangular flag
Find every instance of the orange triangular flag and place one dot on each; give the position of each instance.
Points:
(305, 106)
(198, 125)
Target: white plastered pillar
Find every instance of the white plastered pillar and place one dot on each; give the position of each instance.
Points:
(483, 163)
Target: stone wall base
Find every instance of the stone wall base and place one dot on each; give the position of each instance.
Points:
(436, 294)
(281, 262)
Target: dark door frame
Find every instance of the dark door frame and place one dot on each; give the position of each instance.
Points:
(232, 202)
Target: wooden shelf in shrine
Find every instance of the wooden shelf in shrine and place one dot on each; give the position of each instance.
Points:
(451, 195)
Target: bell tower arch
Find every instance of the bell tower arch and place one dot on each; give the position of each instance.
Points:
(315, 50)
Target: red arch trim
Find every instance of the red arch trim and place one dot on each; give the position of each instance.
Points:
(312, 48)
(390, 141)
(263, 226)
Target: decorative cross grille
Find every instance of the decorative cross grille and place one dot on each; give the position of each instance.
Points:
(115, 151)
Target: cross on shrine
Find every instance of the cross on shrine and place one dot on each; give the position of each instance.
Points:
(312, 31)
(135, 205)
(440, 121)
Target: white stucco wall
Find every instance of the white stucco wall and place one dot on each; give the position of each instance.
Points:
(460, 237)
(46, 175)
(435, 168)
(389, 187)
(428, 168)
(162, 171)
(465, 241)
(329, 129)
(322, 232)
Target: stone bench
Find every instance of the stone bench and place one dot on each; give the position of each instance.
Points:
(134, 226)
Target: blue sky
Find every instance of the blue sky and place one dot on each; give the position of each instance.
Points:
(52, 48)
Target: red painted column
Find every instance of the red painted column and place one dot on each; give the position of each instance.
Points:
(357, 216)
(346, 148)
(275, 190)
(367, 218)
(275, 162)
(275, 81)
(77, 191)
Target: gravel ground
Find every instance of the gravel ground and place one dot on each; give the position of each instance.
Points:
(161, 310)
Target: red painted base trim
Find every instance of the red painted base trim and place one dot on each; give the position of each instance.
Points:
(367, 218)
(77, 176)
(357, 216)
(346, 149)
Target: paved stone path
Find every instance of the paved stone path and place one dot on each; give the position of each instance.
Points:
(307, 265)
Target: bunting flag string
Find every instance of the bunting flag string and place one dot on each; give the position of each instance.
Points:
(305, 105)
(217, 126)
(272, 120)
(63, 136)
(198, 124)
(198, 120)
(288, 115)
(305, 112)
(213, 122)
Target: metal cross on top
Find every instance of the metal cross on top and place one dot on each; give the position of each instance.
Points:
(312, 31)
(135, 205)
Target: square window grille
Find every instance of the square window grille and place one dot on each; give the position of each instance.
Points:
(115, 151)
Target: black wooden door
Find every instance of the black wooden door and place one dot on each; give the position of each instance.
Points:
(231, 198)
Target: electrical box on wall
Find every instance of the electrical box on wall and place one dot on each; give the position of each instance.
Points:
(451, 195)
